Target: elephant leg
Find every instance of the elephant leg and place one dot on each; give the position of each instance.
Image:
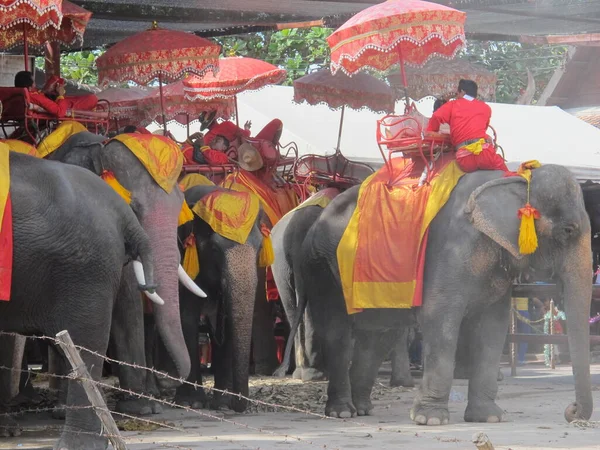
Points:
(462, 369)
(186, 394)
(127, 344)
(12, 349)
(263, 336)
(223, 374)
(150, 347)
(370, 349)
(430, 406)
(401, 375)
(300, 351)
(314, 369)
(58, 366)
(487, 335)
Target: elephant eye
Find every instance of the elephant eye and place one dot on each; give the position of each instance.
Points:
(570, 229)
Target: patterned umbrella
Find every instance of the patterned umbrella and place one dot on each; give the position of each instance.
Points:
(177, 107)
(396, 31)
(70, 32)
(28, 15)
(339, 90)
(236, 74)
(124, 104)
(157, 53)
(440, 77)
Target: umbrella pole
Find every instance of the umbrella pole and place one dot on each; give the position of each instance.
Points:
(237, 116)
(25, 49)
(404, 81)
(340, 131)
(162, 104)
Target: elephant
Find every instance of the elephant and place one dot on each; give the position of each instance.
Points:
(287, 239)
(472, 257)
(229, 273)
(157, 212)
(84, 234)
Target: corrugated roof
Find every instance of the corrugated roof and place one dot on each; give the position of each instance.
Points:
(527, 20)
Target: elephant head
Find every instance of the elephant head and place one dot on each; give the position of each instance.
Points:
(158, 212)
(564, 246)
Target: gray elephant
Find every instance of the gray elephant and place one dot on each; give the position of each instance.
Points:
(471, 259)
(85, 234)
(157, 210)
(229, 273)
(287, 236)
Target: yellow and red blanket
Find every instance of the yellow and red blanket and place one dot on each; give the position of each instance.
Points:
(320, 198)
(58, 137)
(160, 155)
(381, 255)
(6, 238)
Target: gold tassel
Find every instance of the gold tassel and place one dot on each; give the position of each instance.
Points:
(110, 179)
(266, 257)
(191, 262)
(185, 215)
(528, 241)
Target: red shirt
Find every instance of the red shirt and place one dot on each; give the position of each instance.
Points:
(468, 119)
(213, 157)
(57, 108)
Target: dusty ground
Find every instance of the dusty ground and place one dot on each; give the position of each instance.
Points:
(534, 402)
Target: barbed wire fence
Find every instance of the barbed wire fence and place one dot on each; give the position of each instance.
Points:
(139, 422)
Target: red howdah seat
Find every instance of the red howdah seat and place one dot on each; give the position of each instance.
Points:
(19, 112)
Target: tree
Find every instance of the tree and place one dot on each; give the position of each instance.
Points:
(77, 66)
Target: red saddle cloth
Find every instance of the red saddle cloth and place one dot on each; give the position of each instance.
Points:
(6, 251)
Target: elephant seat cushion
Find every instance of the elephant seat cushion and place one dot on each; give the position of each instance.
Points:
(160, 155)
(381, 254)
(6, 240)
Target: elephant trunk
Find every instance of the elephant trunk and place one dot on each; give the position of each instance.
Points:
(161, 227)
(577, 295)
(240, 294)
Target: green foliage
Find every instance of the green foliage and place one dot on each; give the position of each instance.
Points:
(510, 60)
(77, 66)
(297, 50)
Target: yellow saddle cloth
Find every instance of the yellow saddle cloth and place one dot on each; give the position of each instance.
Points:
(230, 214)
(160, 155)
(20, 147)
(382, 252)
(58, 137)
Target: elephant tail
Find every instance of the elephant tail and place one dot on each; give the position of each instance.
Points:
(285, 365)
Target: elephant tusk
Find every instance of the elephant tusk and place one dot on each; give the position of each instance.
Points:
(138, 268)
(189, 283)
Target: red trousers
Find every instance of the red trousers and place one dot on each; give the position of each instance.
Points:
(270, 130)
(82, 102)
(488, 159)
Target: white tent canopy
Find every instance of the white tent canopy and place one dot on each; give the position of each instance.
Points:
(545, 133)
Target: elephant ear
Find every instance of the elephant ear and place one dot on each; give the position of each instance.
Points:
(492, 209)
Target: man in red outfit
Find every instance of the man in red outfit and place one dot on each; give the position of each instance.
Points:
(469, 120)
(77, 102)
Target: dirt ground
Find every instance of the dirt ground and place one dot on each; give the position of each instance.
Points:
(534, 402)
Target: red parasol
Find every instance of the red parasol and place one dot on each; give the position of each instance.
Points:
(339, 90)
(157, 53)
(396, 31)
(440, 78)
(27, 16)
(124, 104)
(70, 31)
(177, 107)
(236, 74)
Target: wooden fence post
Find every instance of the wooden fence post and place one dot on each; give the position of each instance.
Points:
(93, 394)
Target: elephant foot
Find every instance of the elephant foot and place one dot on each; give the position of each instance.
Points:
(364, 407)
(134, 406)
(266, 369)
(487, 412)
(500, 375)
(297, 375)
(73, 441)
(226, 402)
(429, 415)
(404, 381)
(156, 407)
(188, 397)
(343, 409)
(312, 374)
(9, 427)
(59, 412)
